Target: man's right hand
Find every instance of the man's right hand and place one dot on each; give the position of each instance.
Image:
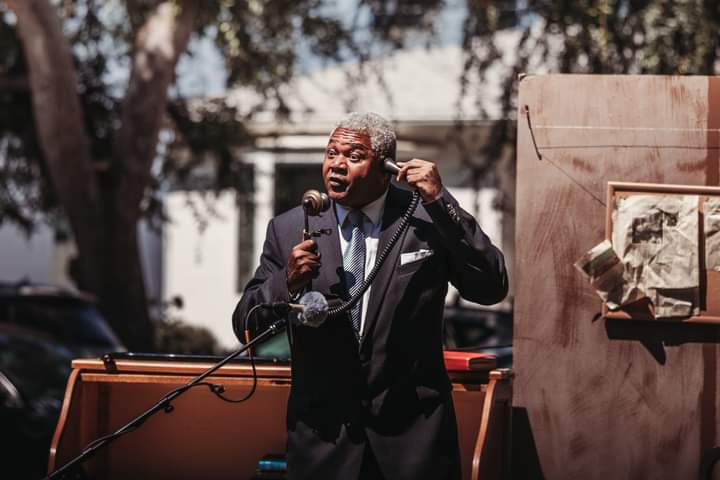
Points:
(303, 265)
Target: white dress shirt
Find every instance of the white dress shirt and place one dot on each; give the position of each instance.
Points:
(371, 228)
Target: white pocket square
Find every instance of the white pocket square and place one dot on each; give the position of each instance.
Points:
(411, 257)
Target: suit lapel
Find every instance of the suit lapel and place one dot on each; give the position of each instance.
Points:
(329, 279)
(395, 205)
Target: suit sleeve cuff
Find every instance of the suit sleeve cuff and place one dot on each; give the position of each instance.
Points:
(445, 216)
(278, 286)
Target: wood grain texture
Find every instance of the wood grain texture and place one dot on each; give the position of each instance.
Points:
(605, 400)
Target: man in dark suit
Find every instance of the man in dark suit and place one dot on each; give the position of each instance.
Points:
(370, 396)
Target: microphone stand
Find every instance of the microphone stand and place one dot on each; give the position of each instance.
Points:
(164, 403)
(307, 235)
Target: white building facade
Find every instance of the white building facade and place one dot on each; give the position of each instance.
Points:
(208, 264)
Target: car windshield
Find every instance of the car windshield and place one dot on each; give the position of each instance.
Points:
(73, 321)
(473, 328)
(36, 367)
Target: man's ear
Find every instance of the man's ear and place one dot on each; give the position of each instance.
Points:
(381, 165)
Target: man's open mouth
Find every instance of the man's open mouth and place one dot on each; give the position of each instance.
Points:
(337, 184)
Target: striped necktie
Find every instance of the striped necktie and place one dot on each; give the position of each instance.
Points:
(354, 263)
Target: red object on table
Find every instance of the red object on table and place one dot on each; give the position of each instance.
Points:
(465, 361)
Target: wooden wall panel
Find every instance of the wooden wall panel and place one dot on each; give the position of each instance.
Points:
(597, 399)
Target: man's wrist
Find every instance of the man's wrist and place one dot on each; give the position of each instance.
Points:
(432, 198)
(445, 214)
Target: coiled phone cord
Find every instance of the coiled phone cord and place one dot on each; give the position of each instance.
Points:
(404, 222)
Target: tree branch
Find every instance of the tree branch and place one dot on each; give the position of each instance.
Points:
(160, 42)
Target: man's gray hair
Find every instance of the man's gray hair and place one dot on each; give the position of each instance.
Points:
(381, 133)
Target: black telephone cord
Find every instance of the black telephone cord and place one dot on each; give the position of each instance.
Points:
(404, 222)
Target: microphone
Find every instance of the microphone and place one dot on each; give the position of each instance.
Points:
(314, 202)
(312, 310)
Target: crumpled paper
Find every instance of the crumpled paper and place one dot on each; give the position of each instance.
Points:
(656, 239)
(711, 211)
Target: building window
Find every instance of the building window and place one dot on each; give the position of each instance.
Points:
(292, 180)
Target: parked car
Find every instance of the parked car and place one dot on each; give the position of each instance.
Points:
(42, 328)
(477, 329)
(33, 373)
(473, 329)
(66, 317)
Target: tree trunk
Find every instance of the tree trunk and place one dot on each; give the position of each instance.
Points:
(160, 41)
(104, 221)
(59, 125)
(122, 290)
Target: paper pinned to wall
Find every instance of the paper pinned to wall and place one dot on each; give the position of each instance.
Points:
(711, 210)
(656, 239)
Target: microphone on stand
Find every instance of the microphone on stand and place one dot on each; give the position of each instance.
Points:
(312, 309)
(315, 202)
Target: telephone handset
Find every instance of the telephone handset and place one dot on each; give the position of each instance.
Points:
(391, 166)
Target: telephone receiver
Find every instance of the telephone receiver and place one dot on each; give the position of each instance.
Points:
(390, 166)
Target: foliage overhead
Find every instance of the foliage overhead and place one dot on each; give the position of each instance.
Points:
(667, 37)
(505, 38)
(263, 44)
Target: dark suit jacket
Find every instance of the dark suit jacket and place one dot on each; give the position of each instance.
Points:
(392, 386)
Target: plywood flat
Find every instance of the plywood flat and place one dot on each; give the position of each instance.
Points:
(602, 400)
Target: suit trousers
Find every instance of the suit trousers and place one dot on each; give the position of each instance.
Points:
(364, 453)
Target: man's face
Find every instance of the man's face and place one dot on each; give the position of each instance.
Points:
(353, 176)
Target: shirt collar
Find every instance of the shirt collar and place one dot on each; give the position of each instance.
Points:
(373, 210)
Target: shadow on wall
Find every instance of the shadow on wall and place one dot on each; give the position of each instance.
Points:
(525, 462)
(656, 335)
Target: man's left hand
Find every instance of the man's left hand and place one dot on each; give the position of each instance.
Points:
(422, 175)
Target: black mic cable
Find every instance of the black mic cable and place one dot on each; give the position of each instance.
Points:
(312, 310)
(220, 390)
